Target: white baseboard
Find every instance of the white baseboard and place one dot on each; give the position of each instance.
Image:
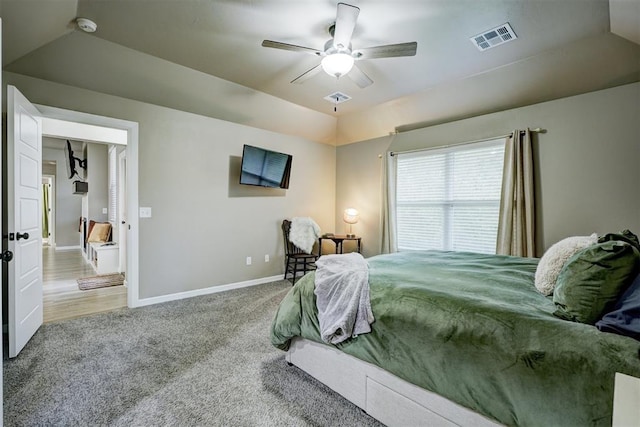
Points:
(67, 248)
(207, 291)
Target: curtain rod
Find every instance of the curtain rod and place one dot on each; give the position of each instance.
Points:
(393, 153)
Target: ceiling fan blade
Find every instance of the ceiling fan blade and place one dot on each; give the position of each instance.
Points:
(359, 77)
(292, 47)
(386, 51)
(345, 23)
(307, 75)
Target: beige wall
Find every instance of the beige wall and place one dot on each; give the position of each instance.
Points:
(587, 163)
(359, 186)
(203, 227)
(97, 177)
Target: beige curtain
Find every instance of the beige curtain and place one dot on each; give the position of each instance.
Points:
(516, 225)
(389, 242)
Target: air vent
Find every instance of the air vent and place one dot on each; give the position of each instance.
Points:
(337, 98)
(494, 37)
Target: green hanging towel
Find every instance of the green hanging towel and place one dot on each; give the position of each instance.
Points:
(45, 211)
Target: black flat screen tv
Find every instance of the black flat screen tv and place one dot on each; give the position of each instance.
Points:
(71, 161)
(265, 168)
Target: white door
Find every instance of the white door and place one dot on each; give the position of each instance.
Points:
(24, 219)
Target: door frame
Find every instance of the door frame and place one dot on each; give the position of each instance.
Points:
(2, 136)
(122, 219)
(133, 273)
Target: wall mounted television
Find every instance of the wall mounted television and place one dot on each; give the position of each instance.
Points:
(71, 160)
(265, 168)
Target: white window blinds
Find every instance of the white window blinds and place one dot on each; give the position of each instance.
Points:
(449, 198)
(113, 185)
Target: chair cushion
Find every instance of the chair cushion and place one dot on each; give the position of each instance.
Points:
(100, 232)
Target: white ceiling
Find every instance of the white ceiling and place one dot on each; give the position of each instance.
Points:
(223, 38)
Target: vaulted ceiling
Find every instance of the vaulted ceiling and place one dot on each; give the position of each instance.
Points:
(563, 47)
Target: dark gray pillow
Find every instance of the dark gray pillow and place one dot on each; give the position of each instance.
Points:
(623, 236)
(625, 317)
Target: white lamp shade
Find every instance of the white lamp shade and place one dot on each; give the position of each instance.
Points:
(350, 216)
(337, 64)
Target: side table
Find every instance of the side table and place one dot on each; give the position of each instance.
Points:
(338, 240)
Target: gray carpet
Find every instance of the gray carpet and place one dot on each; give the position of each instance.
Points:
(204, 361)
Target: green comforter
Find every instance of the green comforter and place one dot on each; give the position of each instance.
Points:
(474, 329)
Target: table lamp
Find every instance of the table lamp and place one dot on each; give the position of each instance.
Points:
(350, 217)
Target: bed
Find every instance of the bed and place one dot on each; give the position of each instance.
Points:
(467, 338)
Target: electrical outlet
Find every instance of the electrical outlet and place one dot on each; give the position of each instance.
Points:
(266, 258)
(145, 212)
(248, 260)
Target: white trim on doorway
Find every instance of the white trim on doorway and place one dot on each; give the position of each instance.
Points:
(121, 217)
(131, 129)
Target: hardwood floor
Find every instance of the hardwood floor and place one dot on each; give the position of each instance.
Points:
(62, 298)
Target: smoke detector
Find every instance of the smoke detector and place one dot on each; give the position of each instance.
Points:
(494, 37)
(86, 25)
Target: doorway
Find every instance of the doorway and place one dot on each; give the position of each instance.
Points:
(66, 259)
(130, 227)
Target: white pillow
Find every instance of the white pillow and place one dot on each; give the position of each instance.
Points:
(556, 257)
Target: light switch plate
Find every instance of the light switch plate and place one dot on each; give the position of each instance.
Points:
(145, 212)
(105, 211)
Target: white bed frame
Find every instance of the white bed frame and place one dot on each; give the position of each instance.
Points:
(626, 401)
(385, 397)
(396, 402)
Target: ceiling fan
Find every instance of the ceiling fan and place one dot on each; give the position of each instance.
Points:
(338, 56)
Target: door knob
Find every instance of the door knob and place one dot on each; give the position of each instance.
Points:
(24, 236)
(6, 256)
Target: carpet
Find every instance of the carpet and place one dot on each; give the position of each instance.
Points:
(101, 281)
(202, 361)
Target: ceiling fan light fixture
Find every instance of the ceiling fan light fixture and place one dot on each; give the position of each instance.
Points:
(338, 55)
(337, 64)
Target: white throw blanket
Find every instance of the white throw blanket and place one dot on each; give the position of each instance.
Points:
(303, 233)
(342, 297)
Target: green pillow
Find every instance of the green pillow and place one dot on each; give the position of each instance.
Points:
(592, 280)
(625, 236)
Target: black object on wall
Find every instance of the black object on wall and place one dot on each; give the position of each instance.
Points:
(71, 161)
(80, 187)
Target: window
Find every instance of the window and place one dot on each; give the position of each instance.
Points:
(449, 198)
(113, 187)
